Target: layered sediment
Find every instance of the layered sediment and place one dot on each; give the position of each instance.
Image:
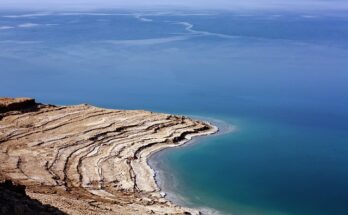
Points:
(8, 104)
(87, 160)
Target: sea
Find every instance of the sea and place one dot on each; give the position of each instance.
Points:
(274, 81)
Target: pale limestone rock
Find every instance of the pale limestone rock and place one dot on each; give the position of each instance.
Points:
(88, 160)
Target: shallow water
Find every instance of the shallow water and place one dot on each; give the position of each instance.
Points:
(279, 77)
(262, 167)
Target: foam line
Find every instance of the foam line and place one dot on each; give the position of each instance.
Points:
(152, 41)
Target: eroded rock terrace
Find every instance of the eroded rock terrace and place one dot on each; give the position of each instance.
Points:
(87, 160)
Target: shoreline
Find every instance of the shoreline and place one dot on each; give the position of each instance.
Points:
(70, 156)
(188, 139)
(220, 128)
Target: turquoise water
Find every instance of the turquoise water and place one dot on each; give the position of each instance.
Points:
(279, 77)
(263, 167)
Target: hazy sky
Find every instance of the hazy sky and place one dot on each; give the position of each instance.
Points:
(195, 4)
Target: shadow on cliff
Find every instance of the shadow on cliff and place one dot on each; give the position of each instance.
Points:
(14, 201)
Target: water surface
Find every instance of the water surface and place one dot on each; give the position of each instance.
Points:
(279, 77)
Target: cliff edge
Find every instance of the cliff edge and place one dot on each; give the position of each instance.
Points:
(87, 160)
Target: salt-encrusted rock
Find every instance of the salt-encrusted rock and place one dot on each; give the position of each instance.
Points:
(87, 160)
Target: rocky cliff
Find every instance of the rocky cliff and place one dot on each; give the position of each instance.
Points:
(87, 160)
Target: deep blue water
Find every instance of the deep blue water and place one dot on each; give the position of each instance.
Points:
(280, 77)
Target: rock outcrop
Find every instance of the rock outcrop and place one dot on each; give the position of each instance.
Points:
(87, 160)
(9, 104)
(14, 200)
